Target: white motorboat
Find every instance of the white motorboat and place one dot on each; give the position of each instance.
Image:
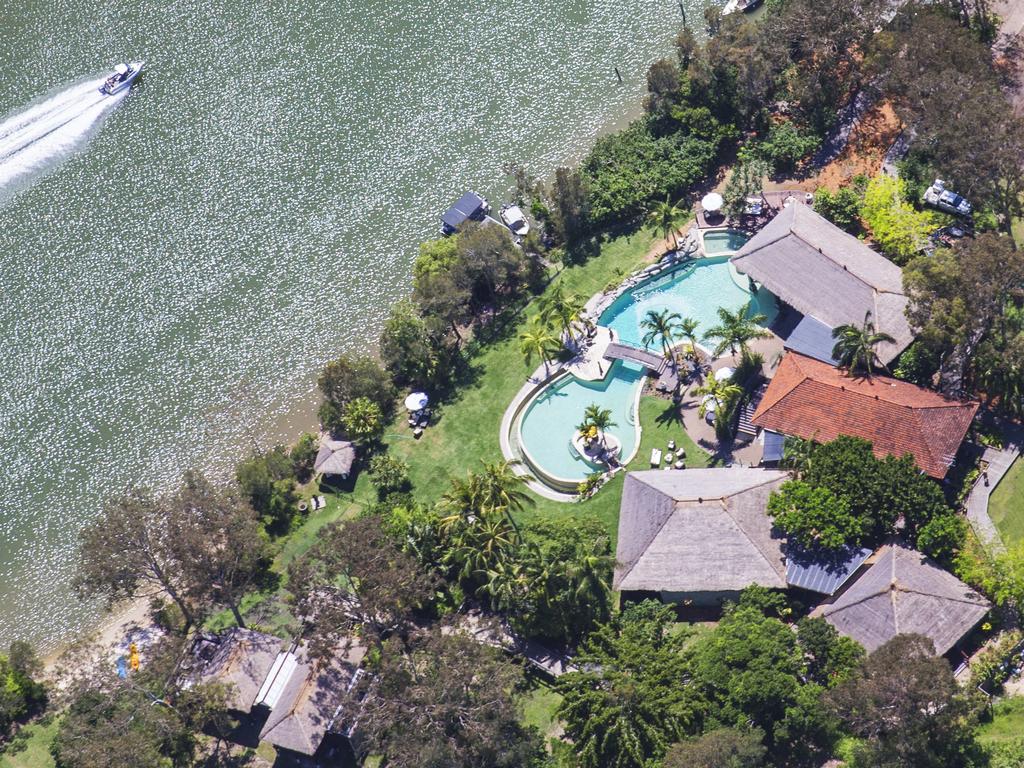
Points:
(514, 218)
(121, 78)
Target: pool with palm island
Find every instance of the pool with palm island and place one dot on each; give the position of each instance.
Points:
(548, 421)
(695, 290)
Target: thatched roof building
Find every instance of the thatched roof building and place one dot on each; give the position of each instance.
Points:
(821, 271)
(335, 458)
(698, 534)
(305, 701)
(813, 400)
(241, 659)
(904, 592)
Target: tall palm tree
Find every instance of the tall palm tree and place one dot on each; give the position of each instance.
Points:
(599, 418)
(561, 308)
(688, 332)
(462, 500)
(663, 217)
(735, 329)
(855, 346)
(503, 490)
(480, 544)
(505, 584)
(661, 325)
(538, 341)
(723, 392)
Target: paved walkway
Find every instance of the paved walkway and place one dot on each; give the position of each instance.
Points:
(999, 463)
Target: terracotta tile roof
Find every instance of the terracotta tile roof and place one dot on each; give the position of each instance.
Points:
(811, 399)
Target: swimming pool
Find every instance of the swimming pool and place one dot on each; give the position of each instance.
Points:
(719, 241)
(696, 289)
(548, 424)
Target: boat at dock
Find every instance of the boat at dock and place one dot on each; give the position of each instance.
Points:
(121, 78)
(513, 217)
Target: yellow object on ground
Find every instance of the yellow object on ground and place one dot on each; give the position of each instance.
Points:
(133, 657)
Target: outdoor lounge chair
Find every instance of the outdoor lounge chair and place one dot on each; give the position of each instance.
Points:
(655, 457)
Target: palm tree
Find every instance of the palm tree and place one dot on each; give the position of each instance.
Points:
(663, 217)
(561, 308)
(723, 392)
(735, 329)
(505, 584)
(855, 346)
(480, 544)
(599, 418)
(538, 341)
(688, 333)
(661, 325)
(461, 501)
(502, 489)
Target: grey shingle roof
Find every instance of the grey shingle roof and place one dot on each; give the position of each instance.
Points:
(904, 592)
(822, 271)
(698, 530)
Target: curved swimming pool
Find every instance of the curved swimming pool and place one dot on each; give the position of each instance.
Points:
(547, 426)
(696, 289)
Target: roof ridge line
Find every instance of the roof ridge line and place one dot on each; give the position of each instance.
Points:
(825, 608)
(655, 534)
(848, 271)
(901, 588)
(762, 246)
(743, 531)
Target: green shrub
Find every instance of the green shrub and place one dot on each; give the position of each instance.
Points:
(786, 146)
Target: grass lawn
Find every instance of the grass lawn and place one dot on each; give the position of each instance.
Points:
(539, 706)
(466, 432)
(37, 751)
(1006, 505)
(1007, 722)
(467, 428)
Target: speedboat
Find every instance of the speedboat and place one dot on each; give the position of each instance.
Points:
(515, 219)
(122, 78)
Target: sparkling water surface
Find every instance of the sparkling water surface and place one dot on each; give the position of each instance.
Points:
(251, 209)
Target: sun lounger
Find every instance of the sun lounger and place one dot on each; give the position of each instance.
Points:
(655, 457)
(320, 501)
(671, 445)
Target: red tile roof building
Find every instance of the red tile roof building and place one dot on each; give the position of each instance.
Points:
(813, 400)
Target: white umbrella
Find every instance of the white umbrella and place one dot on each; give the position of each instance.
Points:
(724, 374)
(417, 401)
(712, 202)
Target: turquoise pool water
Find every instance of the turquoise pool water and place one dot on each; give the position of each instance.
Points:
(694, 290)
(719, 241)
(547, 426)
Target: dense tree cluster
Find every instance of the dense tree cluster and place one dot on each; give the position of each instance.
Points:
(752, 686)
(202, 547)
(844, 494)
(22, 695)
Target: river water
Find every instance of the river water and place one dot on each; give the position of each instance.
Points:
(250, 210)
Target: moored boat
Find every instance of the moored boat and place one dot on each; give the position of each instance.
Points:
(121, 78)
(514, 218)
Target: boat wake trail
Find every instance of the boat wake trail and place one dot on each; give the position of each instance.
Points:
(38, 138)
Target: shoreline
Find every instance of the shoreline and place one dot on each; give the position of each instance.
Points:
(283, 428)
